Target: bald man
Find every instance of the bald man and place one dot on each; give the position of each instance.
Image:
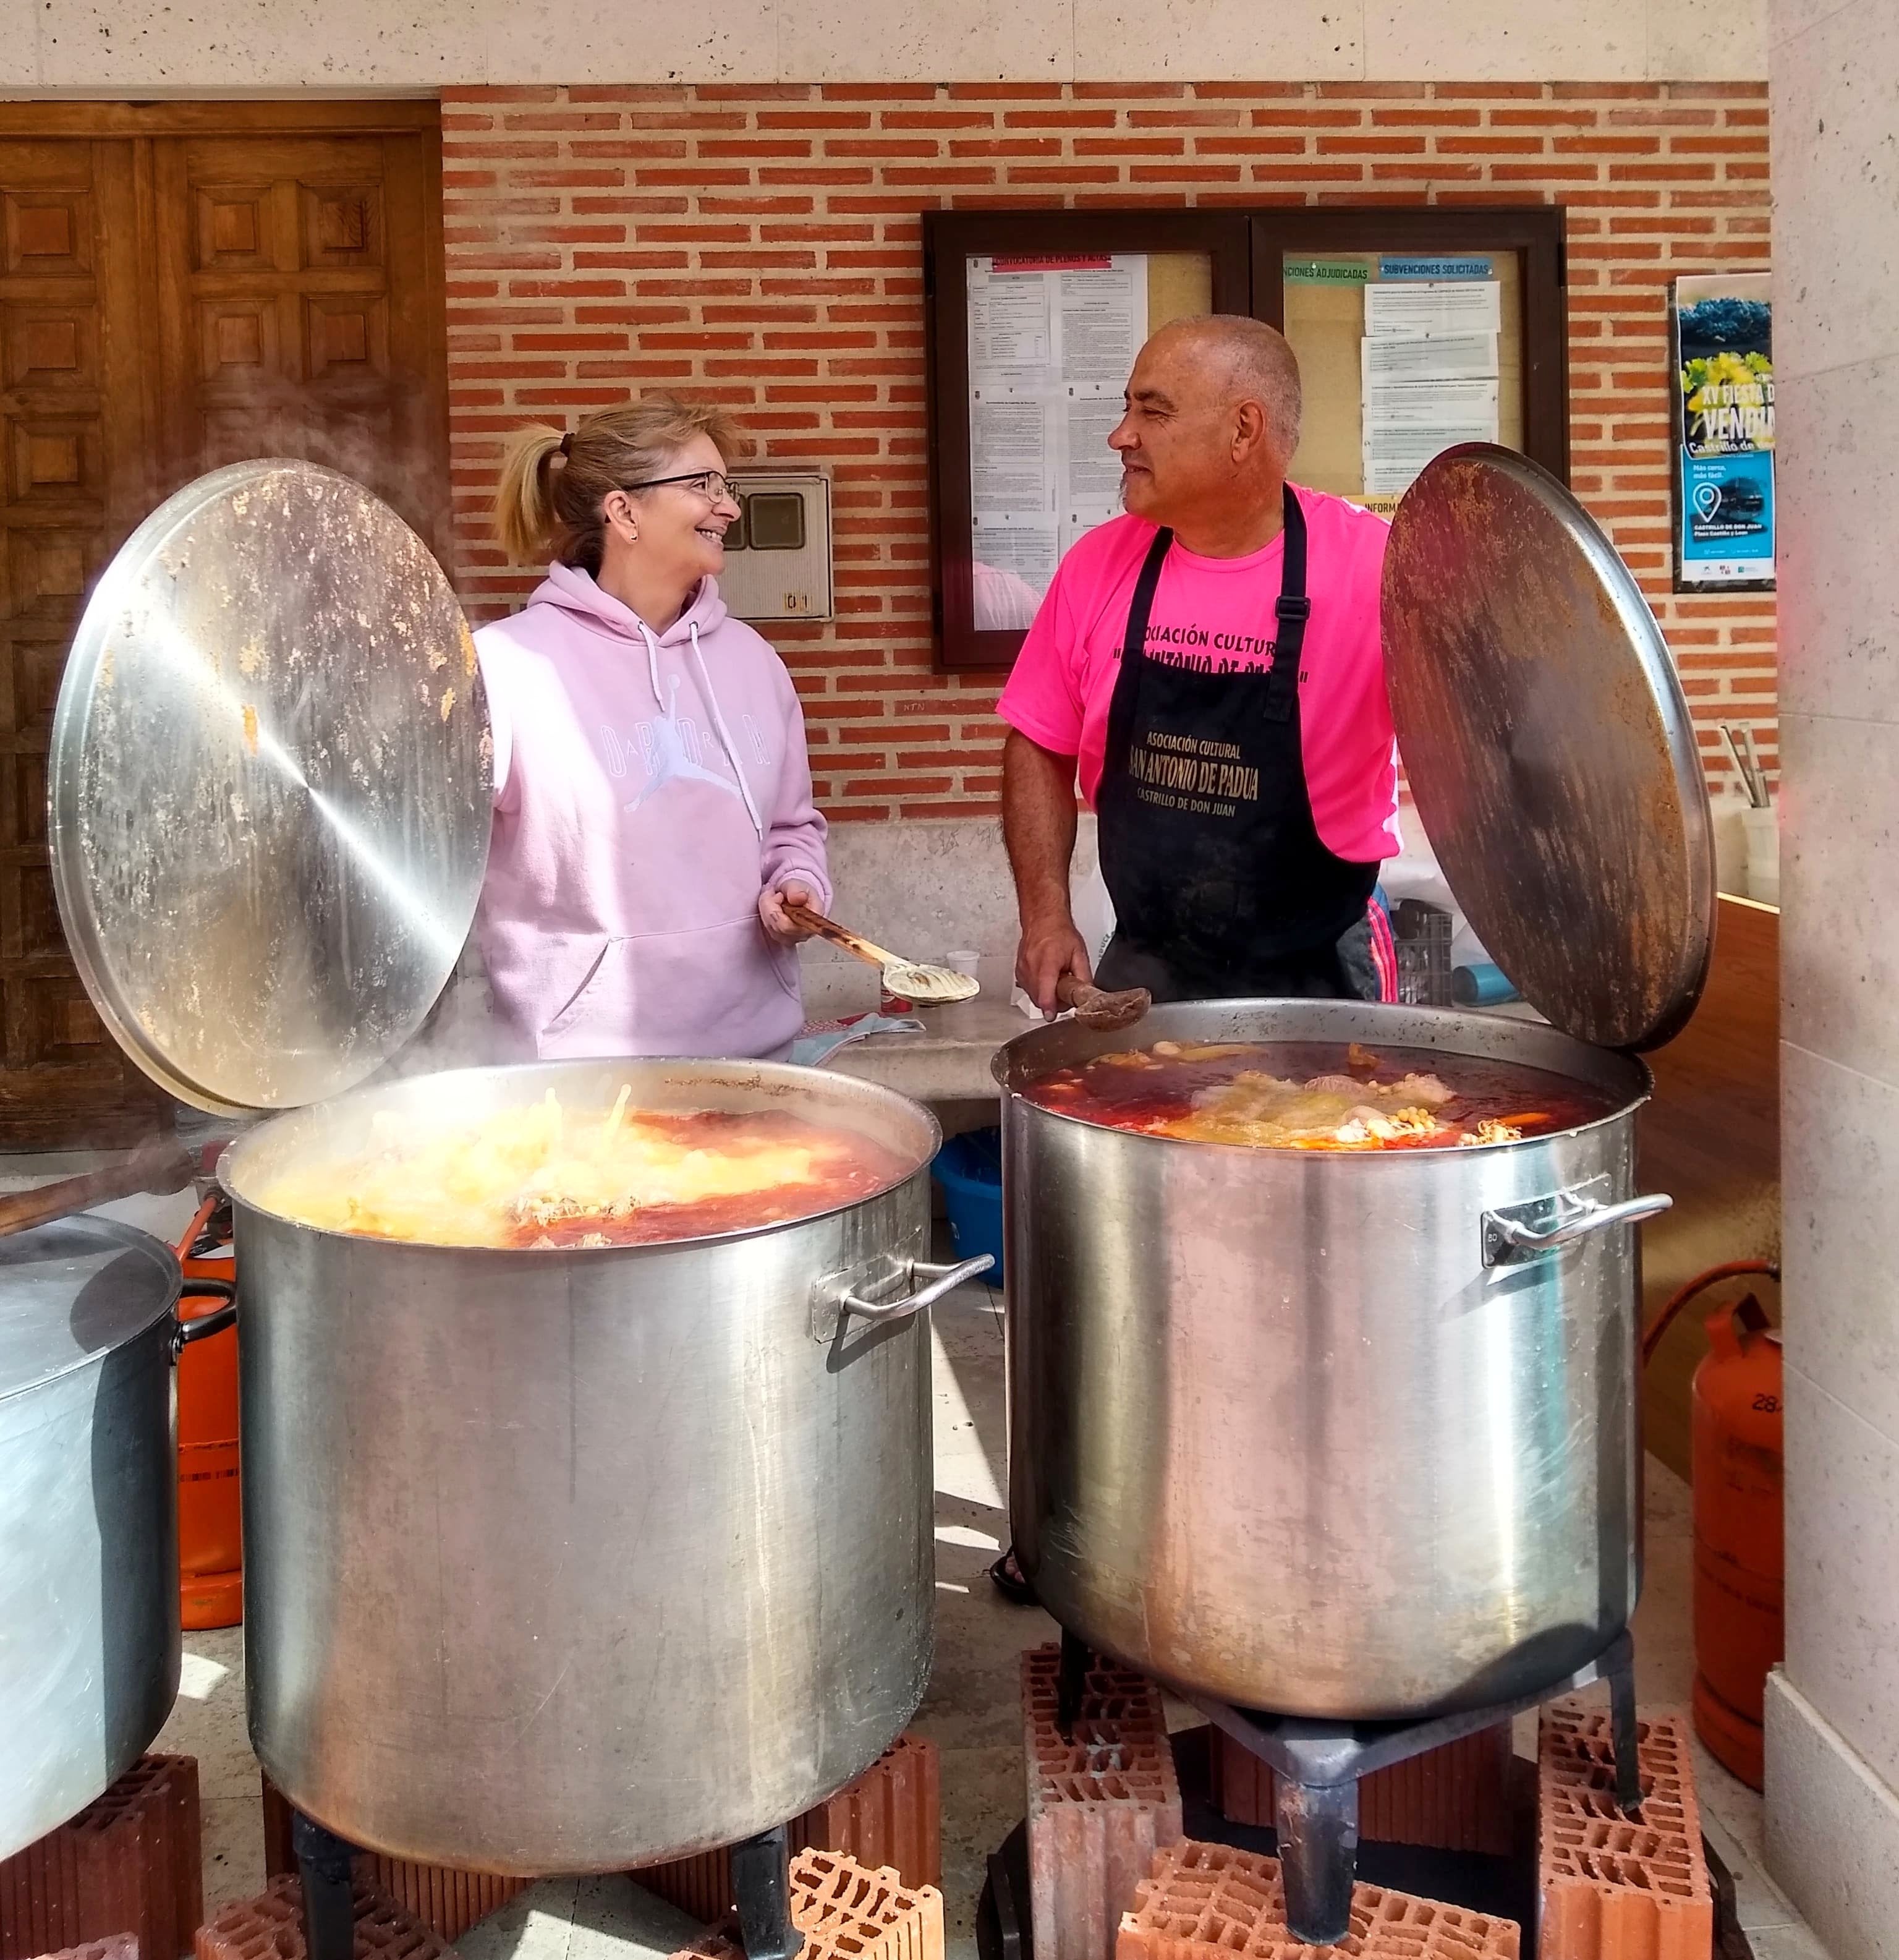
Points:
(1208, 666)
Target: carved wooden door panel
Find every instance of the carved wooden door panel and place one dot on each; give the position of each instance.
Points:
(300, 309)
(75, 450)
(181, 285)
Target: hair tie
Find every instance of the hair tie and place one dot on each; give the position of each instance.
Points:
(567, 444)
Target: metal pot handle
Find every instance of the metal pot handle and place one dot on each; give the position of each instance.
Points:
(943, 1279)
(1514, 1233)
(201, 1328)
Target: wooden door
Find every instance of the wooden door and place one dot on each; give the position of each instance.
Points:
(300, 309)
(76, 454)
(182, 285)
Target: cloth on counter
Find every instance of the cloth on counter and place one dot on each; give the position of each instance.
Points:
(822, 1040)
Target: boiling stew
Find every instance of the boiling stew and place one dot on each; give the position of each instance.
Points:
(1317, 1096)
(544, 1177)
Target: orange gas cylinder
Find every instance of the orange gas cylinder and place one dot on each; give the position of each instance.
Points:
(210, 1542)
(1734, 1454)
(1739, 1634)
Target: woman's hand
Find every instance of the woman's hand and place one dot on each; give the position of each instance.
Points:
(772, 904)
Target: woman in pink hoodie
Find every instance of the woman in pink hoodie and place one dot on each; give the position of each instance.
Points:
(652, 810)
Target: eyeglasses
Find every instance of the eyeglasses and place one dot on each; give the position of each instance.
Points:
(713, 485)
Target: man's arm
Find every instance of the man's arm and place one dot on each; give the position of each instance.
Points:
(1038, 828)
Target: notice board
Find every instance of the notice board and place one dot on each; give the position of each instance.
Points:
(1415, 329)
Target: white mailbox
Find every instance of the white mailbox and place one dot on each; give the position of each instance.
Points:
(777, 556)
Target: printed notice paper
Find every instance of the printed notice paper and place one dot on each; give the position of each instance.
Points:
(1429, 356)
(1461, 306)
(1052, 340)
(1428, 370)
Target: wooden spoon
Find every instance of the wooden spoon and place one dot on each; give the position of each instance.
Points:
(1104, 1012)
(160, 1164)
(932, 986)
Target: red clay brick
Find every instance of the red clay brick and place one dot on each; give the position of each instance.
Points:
(128, 1863)
(890, 1816)
(850, 1911)
(271, 1927)
(846, 1911)
(1203, 1900)
(1612, 1889)
(1453, 1799)
(1100, 1803)
(447, 1902)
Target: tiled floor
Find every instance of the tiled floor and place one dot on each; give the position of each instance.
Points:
(971, 1710)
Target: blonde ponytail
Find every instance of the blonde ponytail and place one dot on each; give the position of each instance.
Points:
(524, 518)
(552, 485)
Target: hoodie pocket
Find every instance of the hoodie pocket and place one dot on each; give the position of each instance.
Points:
(718, 990)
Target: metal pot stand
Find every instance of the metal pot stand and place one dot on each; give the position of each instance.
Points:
(1317, 1766)
(760, 1882)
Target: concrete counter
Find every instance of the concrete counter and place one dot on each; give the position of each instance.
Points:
(948, 1062)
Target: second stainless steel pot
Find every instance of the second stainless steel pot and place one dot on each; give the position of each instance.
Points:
(88, 1512)
(571, 1561)
(1333, 1433)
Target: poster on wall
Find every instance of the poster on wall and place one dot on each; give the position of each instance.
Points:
(1052, 338)
(1723, 336)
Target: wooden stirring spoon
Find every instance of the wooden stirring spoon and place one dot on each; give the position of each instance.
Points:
(160, 1164)
(929, 986)
(1103, 1012)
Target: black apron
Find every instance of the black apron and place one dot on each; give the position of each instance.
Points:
(1221, 884)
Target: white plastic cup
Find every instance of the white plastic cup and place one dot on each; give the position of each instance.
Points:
(965, 961)
(1762, 828)
(1730, 813)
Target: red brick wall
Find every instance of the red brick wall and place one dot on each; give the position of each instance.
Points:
(762, 244)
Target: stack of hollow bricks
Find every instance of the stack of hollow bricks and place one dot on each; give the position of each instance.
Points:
(129, 1864)
(762, 245)
(1102, 1799)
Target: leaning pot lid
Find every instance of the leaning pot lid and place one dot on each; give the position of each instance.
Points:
(1549, 748)
(75, 1290)
(270, 788)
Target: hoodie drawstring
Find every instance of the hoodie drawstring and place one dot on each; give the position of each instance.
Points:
(712, 701)
(652, 661)
(718, 721)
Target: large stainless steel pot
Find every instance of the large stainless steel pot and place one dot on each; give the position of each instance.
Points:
(89, 1639)
(1333, 1434)
(565, 1561)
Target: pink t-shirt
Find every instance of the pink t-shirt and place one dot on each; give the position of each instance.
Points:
(1218, 612)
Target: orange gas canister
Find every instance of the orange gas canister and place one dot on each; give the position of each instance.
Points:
(1738, 1572)
(210, 1545)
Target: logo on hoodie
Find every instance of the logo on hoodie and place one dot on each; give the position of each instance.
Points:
(670, 746)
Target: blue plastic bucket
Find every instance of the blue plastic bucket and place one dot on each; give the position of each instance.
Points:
(969, 1169)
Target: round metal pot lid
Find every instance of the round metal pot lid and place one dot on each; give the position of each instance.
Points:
(75, 1290)
(270, 788)
(1549, 748)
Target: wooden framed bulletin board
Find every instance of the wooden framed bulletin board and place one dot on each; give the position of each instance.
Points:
(1415, 328)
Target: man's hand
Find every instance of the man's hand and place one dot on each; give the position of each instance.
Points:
(1047, 952)
(1038, 828)
(771, 905)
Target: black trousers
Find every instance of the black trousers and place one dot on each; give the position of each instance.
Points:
(1344, 971)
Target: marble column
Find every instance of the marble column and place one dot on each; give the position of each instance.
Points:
(1833, 1712)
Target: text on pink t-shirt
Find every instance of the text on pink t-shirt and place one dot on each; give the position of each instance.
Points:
(1217, 613)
